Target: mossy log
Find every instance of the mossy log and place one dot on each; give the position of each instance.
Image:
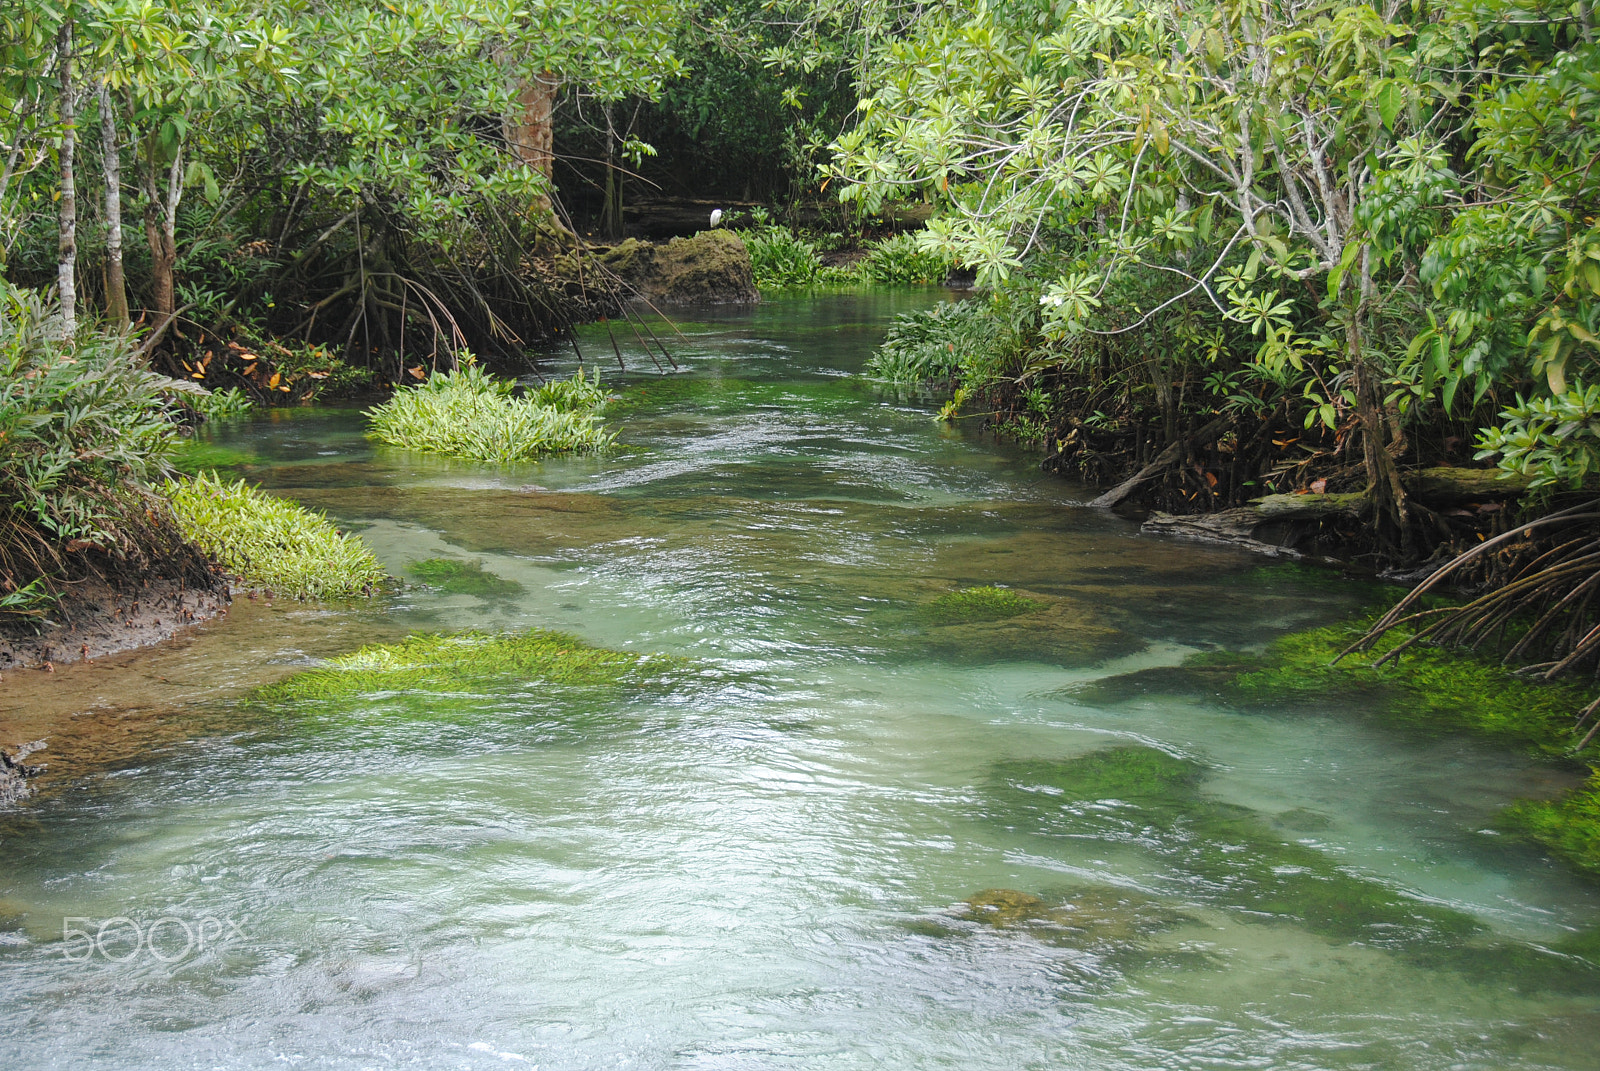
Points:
(1269, 525)
(1448, 486)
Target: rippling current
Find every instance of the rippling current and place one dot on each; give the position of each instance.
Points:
(764, 863)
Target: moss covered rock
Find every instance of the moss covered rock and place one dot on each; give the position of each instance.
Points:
(713, 267)
(988, 624)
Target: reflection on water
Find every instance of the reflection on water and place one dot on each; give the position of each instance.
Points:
(856, 835)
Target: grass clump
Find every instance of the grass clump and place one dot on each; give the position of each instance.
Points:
(987, 603)
(465, 661)
(462, 578)
(272, 543)
(229, 403)
(780, 258)
(472, 415)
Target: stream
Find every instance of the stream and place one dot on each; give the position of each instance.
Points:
(764, 861)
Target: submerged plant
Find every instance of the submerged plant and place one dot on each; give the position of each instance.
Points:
(1568, 826)
(987, 603)
(462, 578)
(469, 660)
(271, 542)
(470, 414)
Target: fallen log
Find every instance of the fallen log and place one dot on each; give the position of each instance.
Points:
(1269, 525)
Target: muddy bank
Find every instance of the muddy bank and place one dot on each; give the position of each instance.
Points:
(110, 712)
(95, 619)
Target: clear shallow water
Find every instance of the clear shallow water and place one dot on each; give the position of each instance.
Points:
(760, 866)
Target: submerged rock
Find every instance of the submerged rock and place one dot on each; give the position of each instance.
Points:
(1004, 624)
(1085, 917)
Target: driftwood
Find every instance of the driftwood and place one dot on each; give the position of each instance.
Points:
(1266, 525)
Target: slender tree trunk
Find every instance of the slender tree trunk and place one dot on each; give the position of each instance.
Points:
(111, 152)
(1384, 485)
(67, 244)
(160, 230)
(611, 209)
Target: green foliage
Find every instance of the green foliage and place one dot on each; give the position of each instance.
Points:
(902, 260)
(462, 578)
(273, 543)
(962, 337)
(1569, 827)
(227, 404)
(978, 604)
(470, 414)
(780, 258)
(192, 457)
(84, 428)
(468, 661)
(1554, 440)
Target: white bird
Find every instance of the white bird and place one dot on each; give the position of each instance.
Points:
(716, 216)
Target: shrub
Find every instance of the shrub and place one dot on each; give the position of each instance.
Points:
(271, 542)
(85, 432)
(227, 404)
(470, 414)
(960, 337)
(780, 258)
(900, 260)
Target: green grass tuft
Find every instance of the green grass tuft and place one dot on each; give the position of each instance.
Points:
(462, 578)
(979, 604)
(466, 661)
(900, 260)
(272, 543)
(470, 414)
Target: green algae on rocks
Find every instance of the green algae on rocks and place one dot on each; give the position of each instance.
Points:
(462, 578)
(272, 543)
(1229, 856)
(466, 661)
(979, 604)
(1001, 624)
(1569, 827)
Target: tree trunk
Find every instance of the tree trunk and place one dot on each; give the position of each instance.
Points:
(160, 230)
(67, 244)
(116, 286)
(531, 133)
(1384, 486)
(611, 210)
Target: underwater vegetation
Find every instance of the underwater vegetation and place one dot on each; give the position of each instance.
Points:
(192, 457)
(1230, 857)
(462, 578)
(464, 661)
(979, 604)
(472, 415)
(271, 542)
(1428, 689)
(999, 624)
